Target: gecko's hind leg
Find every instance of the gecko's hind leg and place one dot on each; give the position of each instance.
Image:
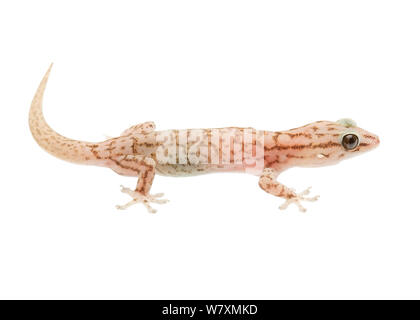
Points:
(144, 168)
(269, 184)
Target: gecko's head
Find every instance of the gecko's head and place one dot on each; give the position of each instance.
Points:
(336, 141)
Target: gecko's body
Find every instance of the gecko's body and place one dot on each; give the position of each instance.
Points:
(141, 151)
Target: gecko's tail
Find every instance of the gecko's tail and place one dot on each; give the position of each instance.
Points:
(52, 142)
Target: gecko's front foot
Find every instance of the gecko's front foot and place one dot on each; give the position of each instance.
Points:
(140, 198)
(297, 198)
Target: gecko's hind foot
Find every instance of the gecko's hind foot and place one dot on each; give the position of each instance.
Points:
(297, 198)
(140, 198)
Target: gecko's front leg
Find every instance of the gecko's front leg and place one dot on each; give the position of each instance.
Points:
(269, 184)
(144, 168)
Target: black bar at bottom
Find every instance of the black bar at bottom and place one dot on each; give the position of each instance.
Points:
(201, 309)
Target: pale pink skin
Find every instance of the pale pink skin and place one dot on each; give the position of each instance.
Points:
(142, 151)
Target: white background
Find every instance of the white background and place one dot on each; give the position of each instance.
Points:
(272, 65)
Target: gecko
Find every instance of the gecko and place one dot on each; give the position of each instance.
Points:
(141, 151)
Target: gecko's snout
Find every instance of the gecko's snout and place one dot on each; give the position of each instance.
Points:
(371, 141)
(375, 141)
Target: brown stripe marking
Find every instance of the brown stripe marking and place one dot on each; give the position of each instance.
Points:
(95, 153)
(133, 145)
(299, 134)
(144, 182)
(328, 144)
(304, 146)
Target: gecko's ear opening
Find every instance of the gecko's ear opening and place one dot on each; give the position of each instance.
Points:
(348, 123)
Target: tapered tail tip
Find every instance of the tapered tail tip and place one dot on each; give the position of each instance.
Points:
(49, 68)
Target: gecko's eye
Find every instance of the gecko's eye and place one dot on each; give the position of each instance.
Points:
(350, 141)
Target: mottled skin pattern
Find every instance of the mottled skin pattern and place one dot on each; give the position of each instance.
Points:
(141, 151)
